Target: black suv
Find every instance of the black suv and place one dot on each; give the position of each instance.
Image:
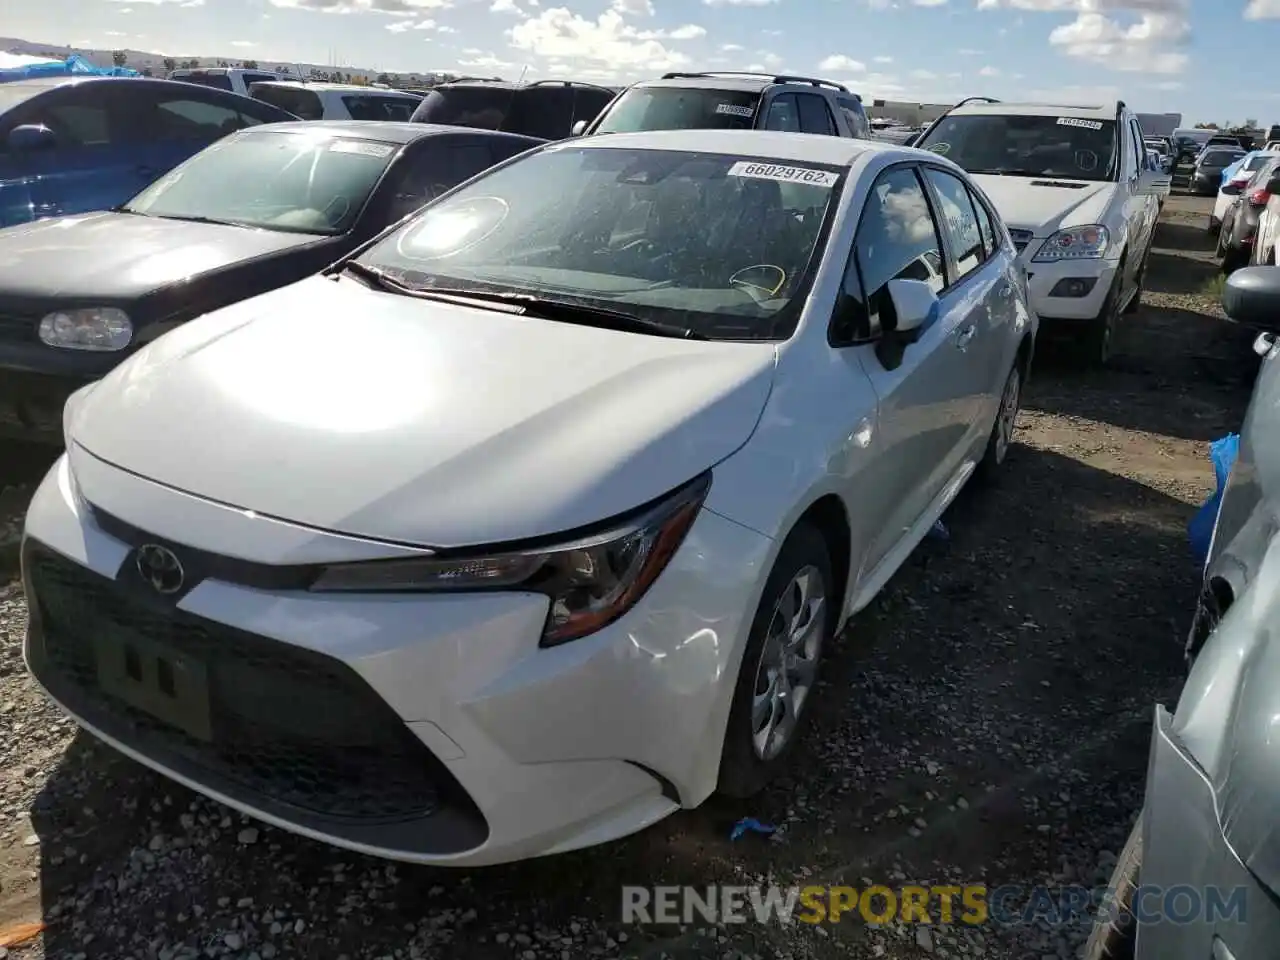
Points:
(547, 109)
(735, 101)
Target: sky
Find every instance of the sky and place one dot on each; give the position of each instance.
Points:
(1207, 59)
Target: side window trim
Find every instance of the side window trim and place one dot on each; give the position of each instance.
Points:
(950, 255)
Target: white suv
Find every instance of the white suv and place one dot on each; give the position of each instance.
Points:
(337, 101)
(1081, 203)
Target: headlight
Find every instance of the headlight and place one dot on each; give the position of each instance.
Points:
(591, 581)
(1078, 243)
(101, 329)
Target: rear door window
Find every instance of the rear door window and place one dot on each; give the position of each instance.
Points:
(814, 115)
(680, 108)
(483, 108)
(302, 103)
(783, 114)
(82, 116)
(219, 81)
(958, 220)
(188, 118)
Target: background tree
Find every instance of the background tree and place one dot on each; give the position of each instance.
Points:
(170, 64)
(192, 64)
(119, 58)
(250, 64)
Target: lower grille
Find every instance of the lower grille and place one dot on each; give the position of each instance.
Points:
(16, 329)
(292, 726)
(1020, 239)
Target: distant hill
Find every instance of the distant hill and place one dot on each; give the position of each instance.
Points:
(146, 61)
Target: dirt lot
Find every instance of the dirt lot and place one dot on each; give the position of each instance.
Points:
(985, 721)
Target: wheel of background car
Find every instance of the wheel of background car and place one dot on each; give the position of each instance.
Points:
(1002, 430)
(793, 624)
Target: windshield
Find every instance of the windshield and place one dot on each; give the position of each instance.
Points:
(219, 81)
(722, 245)
(680, 108)
(303, 104)
(1220, 158)
(1071, 147)
(363, 107)
(295, 182)
(1255, 163)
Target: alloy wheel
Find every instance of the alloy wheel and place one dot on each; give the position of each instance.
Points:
(788, 662)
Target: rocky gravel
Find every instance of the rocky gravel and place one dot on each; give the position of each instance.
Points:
(985, 721)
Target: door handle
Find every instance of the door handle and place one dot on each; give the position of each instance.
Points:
(965, 335)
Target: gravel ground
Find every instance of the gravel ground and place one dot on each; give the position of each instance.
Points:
(986, 720)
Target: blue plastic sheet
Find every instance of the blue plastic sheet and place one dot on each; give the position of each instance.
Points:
(750, 825)
(1222, 453)
(74, 66)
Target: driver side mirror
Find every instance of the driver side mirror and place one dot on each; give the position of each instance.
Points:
(915, 307)
(578, 128)
(1252, 297)
(31, 137)
(1232, 189)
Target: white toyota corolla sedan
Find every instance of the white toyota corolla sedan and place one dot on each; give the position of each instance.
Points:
(530, 523)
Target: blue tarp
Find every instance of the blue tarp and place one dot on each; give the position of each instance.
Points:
(73, 66)
(1222, 453)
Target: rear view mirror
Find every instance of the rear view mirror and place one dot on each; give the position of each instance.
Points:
(578, 128)
(1252, 297)
(30, 137)
(1232, 189)
(915, 307)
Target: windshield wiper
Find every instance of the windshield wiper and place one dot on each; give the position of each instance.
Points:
(527, 304)
(187, 219)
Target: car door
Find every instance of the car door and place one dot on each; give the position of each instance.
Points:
(978, 293)
(923, 391)
(1141, 208)
(89, 166)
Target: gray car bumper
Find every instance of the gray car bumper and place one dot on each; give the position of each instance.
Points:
(1197, 901)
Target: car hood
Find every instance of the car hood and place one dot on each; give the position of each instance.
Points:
(1025, 204)
(388, 417)
(119, 256)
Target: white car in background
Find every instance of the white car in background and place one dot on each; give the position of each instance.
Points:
(1267, 239)
(1231, 187)
(337, 101)
(529, 524)
(1080, 199)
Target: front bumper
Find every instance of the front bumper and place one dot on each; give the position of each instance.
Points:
(429, 729)
(1205, 184)
(1046, 283)
(1199, 902)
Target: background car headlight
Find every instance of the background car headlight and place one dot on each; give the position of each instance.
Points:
(87, 328)
(591, 580)
(1078, 243)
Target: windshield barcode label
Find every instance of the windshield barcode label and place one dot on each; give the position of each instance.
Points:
(773, 171)
(1076, 122)
(733, 110)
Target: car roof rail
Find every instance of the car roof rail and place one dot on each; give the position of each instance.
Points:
(568, 83)
(928, 128)
(772, 77)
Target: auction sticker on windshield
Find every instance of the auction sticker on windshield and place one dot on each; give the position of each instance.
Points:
(362, 147)
(773, 171)
(733, 110)
(1077, 122)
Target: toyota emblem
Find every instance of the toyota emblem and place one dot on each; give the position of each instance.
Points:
(161, 568)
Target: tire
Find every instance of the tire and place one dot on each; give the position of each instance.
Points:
(1136, 300)
(1115, 932)
(1096, 344)
(1002, 430)
(750, 759)
(1233, 258)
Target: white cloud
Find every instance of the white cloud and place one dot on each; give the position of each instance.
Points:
(402, 26)
(446, 30)
(504, 6)
(243, 43)
(558, 33)
(738, 3)
(988, 72)
(731, 47)
(923, 75)
(883, 59)
(116, 33)
(1262, 10)
(156, 3)
(839, 63)
(633, 8)
(485, 61)
(689, 31)
(394, 8)
(930, 3)
(969, 52)
(1143, 47)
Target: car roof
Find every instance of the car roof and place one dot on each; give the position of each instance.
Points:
(1082, 111)
(41, 84)
(343, 87)
(766, 144)
(388, 131)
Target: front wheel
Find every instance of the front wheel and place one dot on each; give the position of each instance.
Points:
(778, 675)
(1096, 345)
